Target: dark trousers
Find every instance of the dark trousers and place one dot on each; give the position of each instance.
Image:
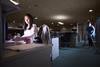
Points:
(90, 40)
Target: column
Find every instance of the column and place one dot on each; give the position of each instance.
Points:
(98, 33)
(1, 31)
(77, 35)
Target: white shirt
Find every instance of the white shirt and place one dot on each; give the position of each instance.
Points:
(45, 27)
(32, 33)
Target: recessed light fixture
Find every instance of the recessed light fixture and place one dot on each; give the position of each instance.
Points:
(35, 18)
(90, 10)
(61, 23)
(14, 2)
(71, 24)
(52, 23)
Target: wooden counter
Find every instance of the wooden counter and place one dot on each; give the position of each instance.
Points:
(33, 56)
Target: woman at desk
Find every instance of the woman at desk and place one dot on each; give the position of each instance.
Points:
(30, 30)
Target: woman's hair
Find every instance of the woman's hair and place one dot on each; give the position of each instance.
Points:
(31, 21)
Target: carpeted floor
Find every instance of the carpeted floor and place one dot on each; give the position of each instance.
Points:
(77, 57)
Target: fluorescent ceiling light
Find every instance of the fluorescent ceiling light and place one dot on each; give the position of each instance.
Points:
(60, 17)
(14, 2)
(61, 23)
